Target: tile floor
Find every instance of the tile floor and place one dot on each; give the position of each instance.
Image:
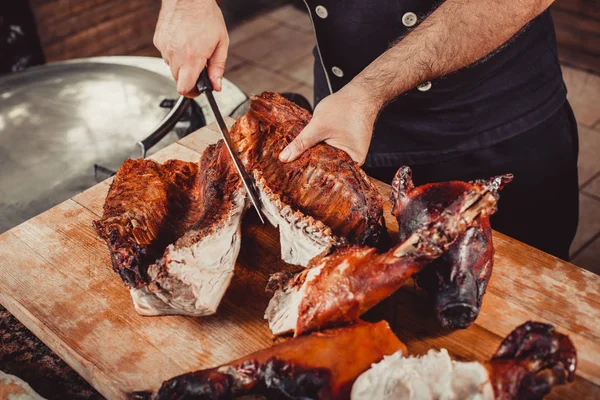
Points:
(273, 51)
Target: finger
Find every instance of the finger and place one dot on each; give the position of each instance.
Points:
(304, 141)
(174, 62)
(188, 76)
(216, 64)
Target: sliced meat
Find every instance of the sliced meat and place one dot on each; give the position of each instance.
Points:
(195, 271)
(173, 231)
(429, 377)
(148, 206)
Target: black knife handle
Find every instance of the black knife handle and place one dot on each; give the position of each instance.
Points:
(203, 84)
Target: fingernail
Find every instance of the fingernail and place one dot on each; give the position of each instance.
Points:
(220, 83)
(284, 155)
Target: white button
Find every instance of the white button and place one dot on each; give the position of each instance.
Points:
(337, 72)
(321, 12)
(425, 86)
(409, 19)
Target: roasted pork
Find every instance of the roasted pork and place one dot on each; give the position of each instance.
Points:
(173, 231)
(316, 200)
(321, 366)
(456, 281)
(338, 287)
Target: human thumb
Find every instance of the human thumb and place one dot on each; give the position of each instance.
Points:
(304, 141)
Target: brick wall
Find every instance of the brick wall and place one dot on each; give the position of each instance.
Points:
(86, 28)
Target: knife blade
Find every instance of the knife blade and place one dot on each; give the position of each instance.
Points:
(204, 86)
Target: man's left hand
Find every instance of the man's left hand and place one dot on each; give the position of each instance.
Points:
(344, 120)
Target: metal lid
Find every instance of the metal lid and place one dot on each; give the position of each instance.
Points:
(58, 120)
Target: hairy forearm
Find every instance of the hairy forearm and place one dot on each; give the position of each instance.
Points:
(455, 35)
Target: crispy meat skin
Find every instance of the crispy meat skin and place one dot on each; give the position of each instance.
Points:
(151, 205)
(530, 361)
(323, 183)
(458, 279)
(217, 182)
(339, 287)
(148, 206)
(343, 294)
(323, 365)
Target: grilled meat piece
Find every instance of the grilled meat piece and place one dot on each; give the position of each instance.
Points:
(530, 361)
(194, 272)
(314, 200)
(339, 287)
(148, 206)
(173, 231)
(323, 365)
(457, 280)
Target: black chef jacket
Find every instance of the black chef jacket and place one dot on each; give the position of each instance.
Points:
(513, 90)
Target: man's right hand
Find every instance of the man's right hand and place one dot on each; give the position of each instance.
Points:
(189, 35)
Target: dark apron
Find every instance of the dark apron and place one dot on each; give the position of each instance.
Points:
(511, 91)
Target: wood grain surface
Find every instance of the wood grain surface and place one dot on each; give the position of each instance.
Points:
(56, 278)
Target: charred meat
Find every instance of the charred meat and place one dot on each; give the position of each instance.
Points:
(173, 231)
(457, 280)
(195, 271)
(323, 366)
(148, 206)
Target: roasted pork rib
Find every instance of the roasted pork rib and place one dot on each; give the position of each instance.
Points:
(457, 280)
(530, 361)
(148, 206)
(194, 272)
(173, 231)
(339, 287)
(323, 366)
(314, 200)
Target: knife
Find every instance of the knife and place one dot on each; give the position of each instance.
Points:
(204, 86)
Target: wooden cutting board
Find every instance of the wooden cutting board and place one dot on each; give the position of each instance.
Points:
(56, 278)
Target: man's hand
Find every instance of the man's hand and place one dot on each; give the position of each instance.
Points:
(189, 35)
(344, 120)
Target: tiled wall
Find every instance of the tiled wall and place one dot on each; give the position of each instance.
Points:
(85, 28)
